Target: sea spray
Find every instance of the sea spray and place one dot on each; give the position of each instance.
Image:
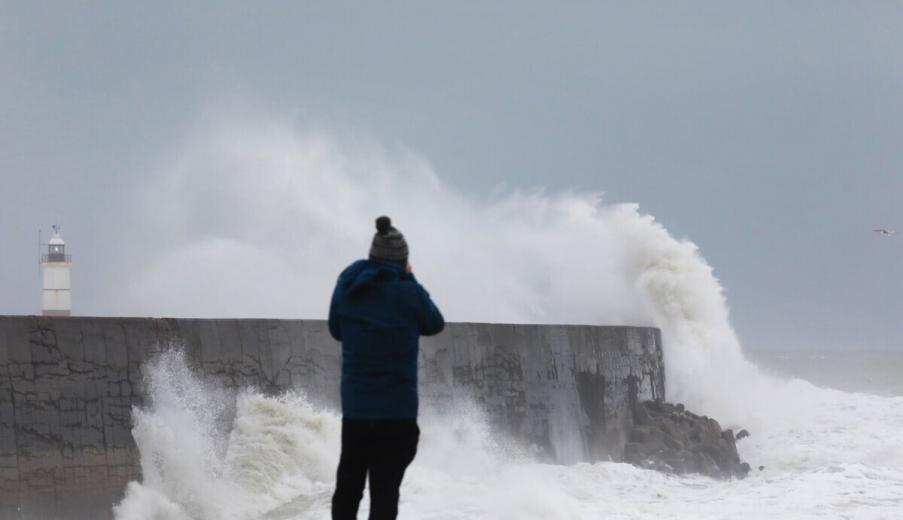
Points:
(262, 216)
(208, 453)
(275, 460)
(181, 438)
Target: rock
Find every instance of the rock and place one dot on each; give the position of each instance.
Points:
(675, 430)
(673, 443)
(711, 430)
(728, 435)
(641, 416)
(680, 461)
(654, 446)
(644, 434)
(657, 406)
(639, 434)
(671, 439)
(633, 452)
(761, 468)
(742, 434)
(712, 450)
(706, 465)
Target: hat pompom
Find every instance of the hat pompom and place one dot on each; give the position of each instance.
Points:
(383, 225)
(388, 242)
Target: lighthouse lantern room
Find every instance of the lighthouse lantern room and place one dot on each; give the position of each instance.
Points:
(55, 265)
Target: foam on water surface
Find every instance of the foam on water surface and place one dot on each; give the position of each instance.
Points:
(276, 460)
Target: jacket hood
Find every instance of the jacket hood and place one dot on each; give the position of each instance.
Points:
(364, 273)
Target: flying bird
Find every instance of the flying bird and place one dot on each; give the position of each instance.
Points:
(884, 231)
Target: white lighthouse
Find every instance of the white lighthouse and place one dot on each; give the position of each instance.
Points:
(55, 265)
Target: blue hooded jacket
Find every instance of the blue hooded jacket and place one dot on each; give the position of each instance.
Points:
(379, 312)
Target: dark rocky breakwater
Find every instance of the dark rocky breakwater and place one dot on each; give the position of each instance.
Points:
(669, 438)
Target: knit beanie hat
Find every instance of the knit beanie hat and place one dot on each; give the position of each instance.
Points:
(388, 242)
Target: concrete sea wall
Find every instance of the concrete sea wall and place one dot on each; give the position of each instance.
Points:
(68, 386)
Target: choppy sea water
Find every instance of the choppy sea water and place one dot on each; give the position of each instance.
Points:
(854, 370)
(828, 453)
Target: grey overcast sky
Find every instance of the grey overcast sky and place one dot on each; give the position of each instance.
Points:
(769, 133)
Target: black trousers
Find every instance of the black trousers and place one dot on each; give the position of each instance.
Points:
(382, 449)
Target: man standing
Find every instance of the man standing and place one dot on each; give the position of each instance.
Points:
(379, 312)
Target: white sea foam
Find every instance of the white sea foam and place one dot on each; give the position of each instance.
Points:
(290, 209)
(207, 453)
(276, 458)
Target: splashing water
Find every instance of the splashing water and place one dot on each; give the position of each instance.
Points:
(290, 210)
(207, 454)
